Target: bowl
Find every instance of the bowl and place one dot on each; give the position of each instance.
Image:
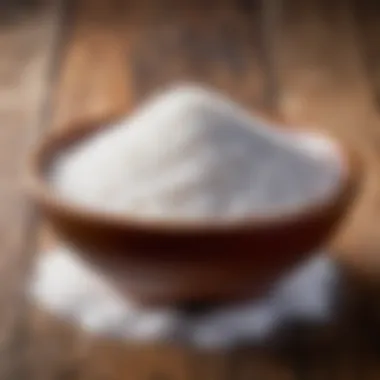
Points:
(182, 262)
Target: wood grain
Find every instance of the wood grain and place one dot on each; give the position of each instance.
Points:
(366, 18)
(93, 79)
(26, 44)
(324, 83)
(217, 45)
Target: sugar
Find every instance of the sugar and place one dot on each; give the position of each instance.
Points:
(190, 153)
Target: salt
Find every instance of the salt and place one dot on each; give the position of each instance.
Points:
(66, 287)
(191, 153)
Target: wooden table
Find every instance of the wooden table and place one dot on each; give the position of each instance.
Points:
(65, 60)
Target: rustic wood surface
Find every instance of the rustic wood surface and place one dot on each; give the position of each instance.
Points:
(27, 38)
(316, 62)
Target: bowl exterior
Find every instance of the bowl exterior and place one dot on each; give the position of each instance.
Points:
(174, 266)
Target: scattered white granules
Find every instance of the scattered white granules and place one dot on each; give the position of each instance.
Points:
(192, 154)
(66, 287)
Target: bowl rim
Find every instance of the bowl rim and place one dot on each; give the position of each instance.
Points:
(71, 133)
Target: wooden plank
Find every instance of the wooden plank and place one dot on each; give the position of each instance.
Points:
(366, 20)
(27, 37)
(324, 83)
(366, 17)
(215, 43)
(94, 78)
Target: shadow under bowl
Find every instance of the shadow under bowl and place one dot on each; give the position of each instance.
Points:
(161, 262)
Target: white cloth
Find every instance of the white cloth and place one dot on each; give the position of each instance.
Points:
(66, 287)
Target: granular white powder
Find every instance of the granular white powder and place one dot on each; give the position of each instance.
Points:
(70, 290)
(192, 154)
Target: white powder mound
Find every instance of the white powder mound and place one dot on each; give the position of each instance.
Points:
(192, 154)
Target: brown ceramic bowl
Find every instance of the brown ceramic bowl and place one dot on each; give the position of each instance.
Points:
(162, 262)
